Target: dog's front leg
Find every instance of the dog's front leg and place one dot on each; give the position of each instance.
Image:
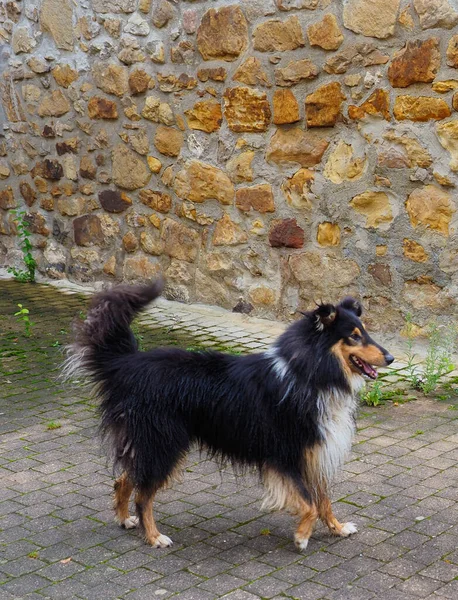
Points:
(327, 516)
(123, 488)
(144, 503)
(308, 516)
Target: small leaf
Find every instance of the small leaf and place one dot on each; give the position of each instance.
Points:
(66, 560)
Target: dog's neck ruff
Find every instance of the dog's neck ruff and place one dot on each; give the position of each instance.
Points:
(279, 364)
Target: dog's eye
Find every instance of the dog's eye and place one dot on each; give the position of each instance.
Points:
(355, 337)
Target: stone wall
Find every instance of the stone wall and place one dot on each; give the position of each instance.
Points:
(270, 151)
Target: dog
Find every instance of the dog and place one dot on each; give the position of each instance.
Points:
(289, 411)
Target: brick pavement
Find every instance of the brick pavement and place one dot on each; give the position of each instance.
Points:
(399, 486)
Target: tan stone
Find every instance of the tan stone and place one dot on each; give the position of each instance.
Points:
(154, 164)
(298, 4)
(321, 275)
(151, 242)
(297, 189)
(168, 140)
(22, 41)
(228, 233)
(251, 72)
(5, 171)
(322, 107)
(156, 200)
(452, 52)
(162, 13)
(278, 36)
(222, 34)
(205, 115)
(54, 104)
(378, 105)
(443, 179)
(442, 87)
(215, 74)
(239, 168)
(326, 33)
(405, 19)
(7, 199)
(420, 108)
(129, 171)
(140, 268)
(188, 211)
(130, 242)
(342, 165)
(180, 242)
(111, 78)
(198, 182)
(157, 111)
(262, 296)
(375, 206)
(296, 71)
(155, 221)
(71, 207)
(358, 55)
(56, 18)
(414, 251)
(296, 146)
(425, 294)
(286, 107)
(374, 18)
(381, 250)
(455, 101)
(416, 154)
(435, 13)
(328, 234)
(31, 93)
(64, 75)
(431, 207)
(417, 62)
(140, 142)
(102, 108)
(109, 268)
(246, 109)
(448, 137)
(258, 197)
(140, 81)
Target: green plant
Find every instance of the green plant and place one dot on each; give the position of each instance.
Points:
(373, 395)
(27, 274)
(438, 362)
(53, 425)
(33, 554)
(22, 315)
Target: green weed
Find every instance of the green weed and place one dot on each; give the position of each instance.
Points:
(22, 316)
(27, 274)
(53, 425)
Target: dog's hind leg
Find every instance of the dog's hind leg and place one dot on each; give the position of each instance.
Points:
(144, 503)
(123, 488)
(327, 516)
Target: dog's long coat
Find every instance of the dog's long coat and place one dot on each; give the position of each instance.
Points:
(288, 411)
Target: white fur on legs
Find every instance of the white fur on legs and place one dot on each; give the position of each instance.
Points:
(130, 522)
(162, 541)
(301, 544)
(348, 529)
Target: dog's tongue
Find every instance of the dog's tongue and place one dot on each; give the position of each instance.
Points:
(370, 371)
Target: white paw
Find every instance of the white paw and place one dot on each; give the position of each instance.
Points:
(162, 541)
(130, 522)
(301, 544)
(348, 529)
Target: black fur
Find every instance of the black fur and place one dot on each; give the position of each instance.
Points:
(155, 404)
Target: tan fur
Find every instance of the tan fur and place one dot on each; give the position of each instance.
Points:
(144, 505)
(281, 493)
(369, 353)
(123, 488)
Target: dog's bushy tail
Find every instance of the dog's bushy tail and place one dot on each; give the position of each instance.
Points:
(105, 334)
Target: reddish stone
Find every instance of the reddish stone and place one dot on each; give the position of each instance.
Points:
(114, 201)
(87, 230)
(27, 192)
(7, 200)
(49, 169)
(36, 223)
(286, 233)
(381, 273)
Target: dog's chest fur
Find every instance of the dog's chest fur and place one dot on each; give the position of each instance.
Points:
(336, 423)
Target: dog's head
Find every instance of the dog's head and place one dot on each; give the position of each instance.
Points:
(348, 339)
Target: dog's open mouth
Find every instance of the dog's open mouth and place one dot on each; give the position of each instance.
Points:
(364, 367)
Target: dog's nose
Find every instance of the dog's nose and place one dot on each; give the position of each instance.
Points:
(389, 358)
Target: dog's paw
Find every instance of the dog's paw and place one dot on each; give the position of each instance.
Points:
(162, 541)
(130, 522)
(348, 529)
(301, 544)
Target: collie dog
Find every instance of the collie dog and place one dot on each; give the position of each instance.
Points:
(289, 411)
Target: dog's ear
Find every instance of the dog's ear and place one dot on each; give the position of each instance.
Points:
(352, 305)
(325, 316)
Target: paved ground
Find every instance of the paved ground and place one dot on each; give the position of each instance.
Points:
(58, 538)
